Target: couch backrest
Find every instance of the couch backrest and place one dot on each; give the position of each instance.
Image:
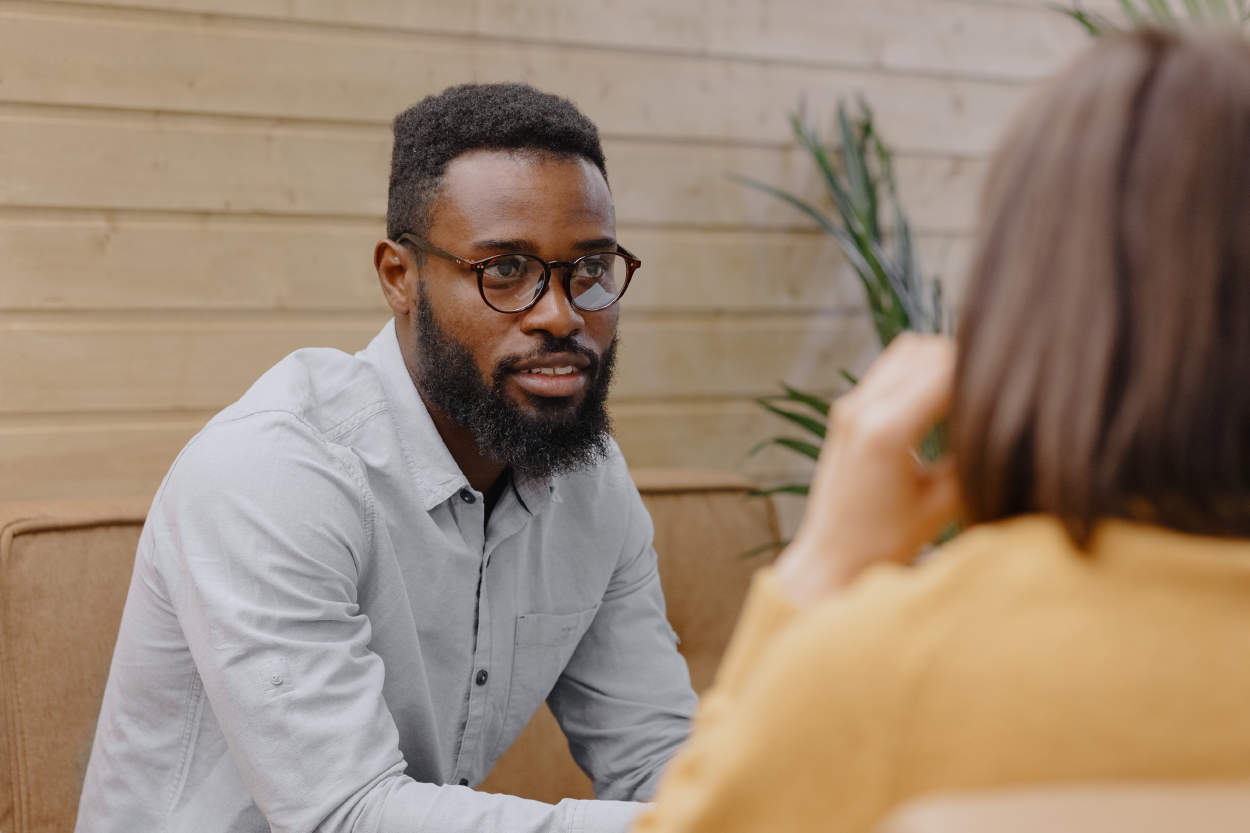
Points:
(65, 568)
(1091, 807)
(64, 572)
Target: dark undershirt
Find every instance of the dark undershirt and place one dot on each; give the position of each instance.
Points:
(495, 492)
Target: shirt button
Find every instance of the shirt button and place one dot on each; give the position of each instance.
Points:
(276, 679)
(464, 782)
(482, 677)
(467, 496)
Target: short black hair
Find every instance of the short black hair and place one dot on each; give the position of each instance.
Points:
(471, 117)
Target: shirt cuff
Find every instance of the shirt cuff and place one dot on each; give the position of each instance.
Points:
(606, 816)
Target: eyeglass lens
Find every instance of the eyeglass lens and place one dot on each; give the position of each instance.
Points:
(510, 282)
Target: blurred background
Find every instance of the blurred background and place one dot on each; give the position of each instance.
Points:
(191, 189)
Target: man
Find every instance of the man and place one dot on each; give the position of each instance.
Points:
(358, 583)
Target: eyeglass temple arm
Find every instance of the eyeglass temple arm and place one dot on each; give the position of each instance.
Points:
(629, 255)
(429, 248)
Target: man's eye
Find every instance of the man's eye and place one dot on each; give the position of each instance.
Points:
(508, 268)
(592, 269)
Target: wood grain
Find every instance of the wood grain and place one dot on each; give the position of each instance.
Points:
(195, 64)
(191, 189)
(96, 259)
(206, 361)
(73, 158)
(100, 455)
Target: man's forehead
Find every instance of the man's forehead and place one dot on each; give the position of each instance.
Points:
(528, 167)
(504, 196)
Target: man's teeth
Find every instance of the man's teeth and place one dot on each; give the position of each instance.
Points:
(551, 371)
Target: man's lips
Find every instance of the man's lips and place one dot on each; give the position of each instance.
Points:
(559, 374)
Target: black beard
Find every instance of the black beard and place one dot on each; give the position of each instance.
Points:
(556, 437)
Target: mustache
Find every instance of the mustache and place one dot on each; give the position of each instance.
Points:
(550, 344)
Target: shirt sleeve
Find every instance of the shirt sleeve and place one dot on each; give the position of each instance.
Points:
(260, 536)
(624, 700)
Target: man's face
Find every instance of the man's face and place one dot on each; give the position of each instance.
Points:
(530, 386)
(495, 202)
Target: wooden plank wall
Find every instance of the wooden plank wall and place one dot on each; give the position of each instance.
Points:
(191, 189)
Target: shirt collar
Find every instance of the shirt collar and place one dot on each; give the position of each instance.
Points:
(435, 473)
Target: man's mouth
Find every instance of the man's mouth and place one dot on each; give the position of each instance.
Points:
(551, 371)
(558, 375)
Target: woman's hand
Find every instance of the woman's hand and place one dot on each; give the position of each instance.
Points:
(872, 500)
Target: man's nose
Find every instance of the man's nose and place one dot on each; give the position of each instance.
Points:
(553, 313)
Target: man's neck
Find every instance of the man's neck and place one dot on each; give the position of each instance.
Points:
(481, 473)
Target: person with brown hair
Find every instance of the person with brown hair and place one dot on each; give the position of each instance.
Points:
(1093, 622)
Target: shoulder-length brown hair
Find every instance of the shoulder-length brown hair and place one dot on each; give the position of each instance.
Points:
(1104, 347)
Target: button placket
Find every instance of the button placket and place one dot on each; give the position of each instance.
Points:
(471, 740)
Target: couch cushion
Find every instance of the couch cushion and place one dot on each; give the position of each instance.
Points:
(64, 572)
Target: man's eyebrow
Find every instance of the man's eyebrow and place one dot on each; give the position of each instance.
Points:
(598, 244)
(517, 245)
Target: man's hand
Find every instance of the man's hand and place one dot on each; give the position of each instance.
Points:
(872, 500)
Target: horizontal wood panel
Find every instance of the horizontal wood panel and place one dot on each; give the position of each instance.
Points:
(136, 161)
(191, 189)
(194, 64)
(124, 260)
(96, 159)
(106, 459)
(130, 454)
(81, 363)
(101, 260)
(92, 363)
(1016, 40)
(708, 435)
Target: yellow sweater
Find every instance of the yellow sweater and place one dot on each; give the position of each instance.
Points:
(1007, 658)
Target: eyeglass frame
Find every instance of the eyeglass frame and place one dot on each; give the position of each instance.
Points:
(631, 265)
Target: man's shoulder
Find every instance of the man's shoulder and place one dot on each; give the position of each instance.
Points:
(320, 388)
(287, 425)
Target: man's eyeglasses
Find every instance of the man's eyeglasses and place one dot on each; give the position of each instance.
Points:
(513, 283)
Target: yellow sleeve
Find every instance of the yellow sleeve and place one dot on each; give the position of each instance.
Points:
(766, 612)
(796, 733)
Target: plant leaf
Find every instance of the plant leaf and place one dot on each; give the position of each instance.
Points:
(817, 404)
(804, 448)
(771, 545)
(788, 489)
(1133, 13)
(870, 274)
(805, 422)
(1162, 12)
(1095, 24)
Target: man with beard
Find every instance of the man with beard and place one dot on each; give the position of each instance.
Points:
(358, 583)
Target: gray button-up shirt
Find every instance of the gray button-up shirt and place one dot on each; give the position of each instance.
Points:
(316, 596)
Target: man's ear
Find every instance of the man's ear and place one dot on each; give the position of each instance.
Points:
(397, 273)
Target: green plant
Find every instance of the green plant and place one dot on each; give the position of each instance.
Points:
(1235, 13)
(858, 175)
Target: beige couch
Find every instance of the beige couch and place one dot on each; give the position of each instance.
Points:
(65, 568)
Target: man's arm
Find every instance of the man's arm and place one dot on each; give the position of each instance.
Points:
(624, 700)
(261, 536)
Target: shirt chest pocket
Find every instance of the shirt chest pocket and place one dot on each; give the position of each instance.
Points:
(544, 644)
